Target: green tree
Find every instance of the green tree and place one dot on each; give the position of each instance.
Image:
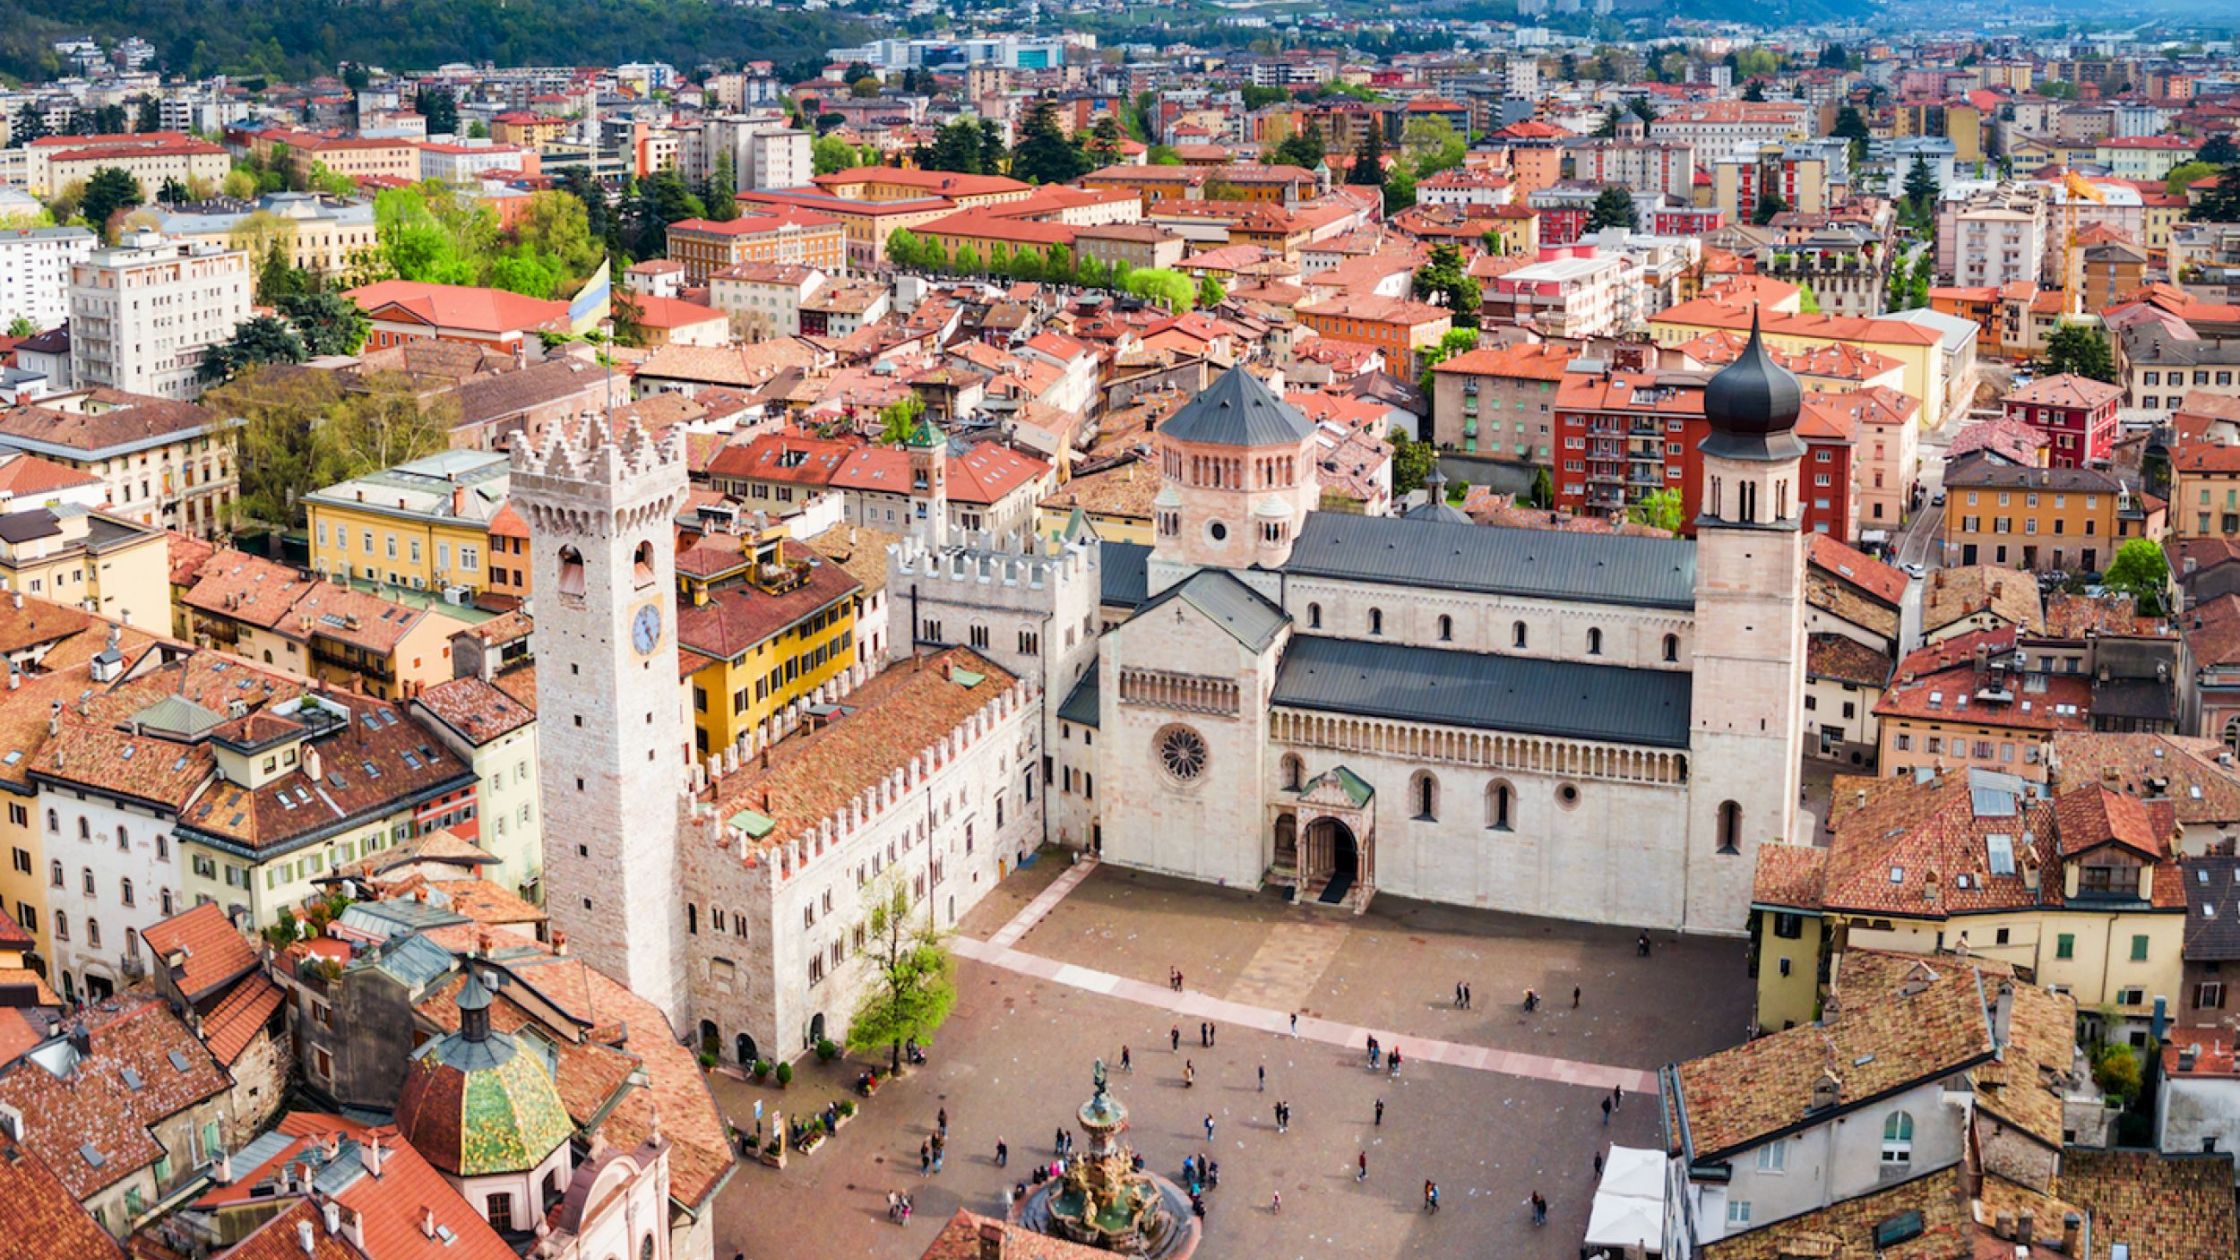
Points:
(1659, 509)
(379, 424)
(110, 189)
(558, 225)
(1808, 302)
(1105, 139)
(1543, 494)
(1607, 129)
(955, 147)
(1613, 207)
(1368, 160)
(1302, 148)
(1045, 154)
(1167, 287)
(1411, 463)
(910, 982)
(278, 278)
(1453, 342)
(30, 125)
(2185, 173)
(279, 457)
(967, 261)
(259, 339)
(2218, 150)
(1445, 277)
(1257, 97)
(328, 323)
(994, 155)
(439, 106)
(1920, 190)
(2081, 350)
(1833, 57)
(147, 114)
(721, 196)
(1399, 189)
(1769, 205)
(831, 153)
(21, 327)
(1432, 146)
(1756, 91)
(905, 249)
(2220, 204)
(2142, 571)
(2117, 1072)
(1851, 125)
(1210, 292)
(898, 418)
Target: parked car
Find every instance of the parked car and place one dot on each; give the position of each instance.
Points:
(1915, 569)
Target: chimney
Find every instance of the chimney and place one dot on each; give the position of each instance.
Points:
(2072, 1234)
(371, 1156)
(2026, 1228)
(307, 1237)
(427, 1222)
(222, 1169)
(2003, 1226)
(332, 1211)
(1826, 1091)
(2002, 1014)
(991, 1240)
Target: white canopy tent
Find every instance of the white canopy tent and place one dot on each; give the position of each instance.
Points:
(1628, 1210)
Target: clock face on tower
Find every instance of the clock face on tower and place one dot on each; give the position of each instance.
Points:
(645, 629)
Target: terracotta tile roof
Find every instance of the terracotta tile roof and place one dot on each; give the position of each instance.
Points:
(891, 718)
(459, 306)
(1646, 393)
(1847, 1230)
(1123, 487)
(186, 556)
(40, 1219)
(2212, 1050)
(2008, 594)
(989, 471)
(2212, 630)
(1845, 659)
(93, 1110)
(489, 903)
(1789, 875)
(1723, 312)
(862, 551)
(1944, 683)
(280, 1237)
(238, 1017)
(1882, 581)
(735, 618)
(495, 396)
(477, 710)
(2025, 1084)
(248, 589)
(203, 949)
(112, 419)
(2066, 390)
(960, 1239)
(389, 1207)
(30, 477)
(1921, 850)
(1886, 1034)
(2010, 440)
(2199, 788)
(2093, 815)
(2161, 1207)
(356, 618)
(2075, 616)
(788, 456)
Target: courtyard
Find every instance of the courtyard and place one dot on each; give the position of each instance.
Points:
(1491, 1103)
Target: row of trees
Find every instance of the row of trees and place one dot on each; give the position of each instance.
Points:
(1055, 264)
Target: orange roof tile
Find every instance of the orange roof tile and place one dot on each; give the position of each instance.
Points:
(202, 948)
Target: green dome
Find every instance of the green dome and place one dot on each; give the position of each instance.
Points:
(474, 1103)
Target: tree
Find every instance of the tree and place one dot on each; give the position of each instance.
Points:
(1210, 292)
(1432, 145)
(278, 278)
(2218, 150)
(1446, 278)
(110, 189)
(1607, 129)
(238, 184)
(1105, 139)
(865, 88)
(558, 225)
(21, 327)
(831, 153)
(2185, 173)
(1613, 207)
(1258, 98)
(1411, 463)
(2141, 571)
(279, 459)
(1851, 125)
(1920, 190)
(1451, 343)
(1167, 287)
(1833, 57)
(30, 125)
(260, 339)
(906, 249)
(2079, 349)
(1756, 91)
(328, 323)
(2220, 204)
(1399, 189)
(379, 424)
(955, 147)
(1808, 302)
(1659, 509)
(2117, 1072)
(148, 114)
(1543, 489)
(1302, 148)
(439, 106)
(1368, 160)
(1044, 154)
(721, 196)
(898, 419)
(1769, 205)
(910, 984)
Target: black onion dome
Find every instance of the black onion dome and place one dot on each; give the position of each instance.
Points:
(1752, 405)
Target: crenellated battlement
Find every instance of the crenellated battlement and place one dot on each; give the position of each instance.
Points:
(989, 561)
(586, 457)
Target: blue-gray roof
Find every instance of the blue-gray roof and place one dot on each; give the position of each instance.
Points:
(1537, 563)
(1237, 410)
(1124, 570)
(414, 961)
(1081, 706)
(1249, 617)
(1569, 699)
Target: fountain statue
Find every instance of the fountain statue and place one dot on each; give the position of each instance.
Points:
(1102, 1201)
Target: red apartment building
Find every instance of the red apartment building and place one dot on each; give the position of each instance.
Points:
(2076, 415)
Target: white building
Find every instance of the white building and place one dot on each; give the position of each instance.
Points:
(467, 161)
(143, 312)
(35, 273)
(764, 299)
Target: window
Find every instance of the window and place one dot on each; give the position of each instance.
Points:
(61, 926)
(1446, 628)
(2065, 945)
(1516, 635)
(1294, 772)
(1738, 1212)
(571, 572)
(1376, 621)
(641, 563)
(2138, 949)
(1501, 803)
(1314, 616)
(1730, 827)
(1897, 1140)
(54, 874)
(1773, 1157)
(500, 1213)
(1594, 641)
(1423, 793)
(2209, 995)
(125, 891)
(1672, 647)
(2115, 881)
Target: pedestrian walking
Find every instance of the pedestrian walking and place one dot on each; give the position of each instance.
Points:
(1394, 1060)
(1539, 1208)
(1617, 1097)
(1466, 997)
(1213, 1035)
(1531, 1001)
(1598, 1165)
(1189, 1074)
(1189, 1169)
(1126, 1064)
(1275, 1205)
(1430, 1196)
(1174, 1039)
(1605, 1113)
(1209, 1126)
(1263, 1078)
(1279, 1116)
(1458, 995)
(1641, 944)
(940, 1153)
(1294, 1023)
(1373, 1058)
(1380, 1113)
(1178, 980)
(1204, 1039)
(1574, 997)
(1003, 1154)
(941, 1122)
(925, 1158)
(1361, 1168)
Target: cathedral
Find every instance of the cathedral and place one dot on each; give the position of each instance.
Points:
(1593, 727)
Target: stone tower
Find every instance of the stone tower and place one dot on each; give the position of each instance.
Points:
(1747, 738)
(929, 482)
(1237, 477)
(611, 732)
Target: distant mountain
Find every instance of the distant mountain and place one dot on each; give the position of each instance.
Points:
(295, 38)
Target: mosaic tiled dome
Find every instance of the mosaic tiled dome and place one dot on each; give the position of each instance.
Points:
(476, 1102)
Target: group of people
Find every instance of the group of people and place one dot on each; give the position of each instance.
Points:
(1380, 1057)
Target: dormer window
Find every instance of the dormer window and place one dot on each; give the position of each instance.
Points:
(2109, 881)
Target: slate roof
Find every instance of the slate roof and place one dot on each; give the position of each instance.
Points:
(1532, 563)
(1123, 569)
(1569, 699)
(2212, 908)
(1081, 706)
(1237, 410)
(1246, 614)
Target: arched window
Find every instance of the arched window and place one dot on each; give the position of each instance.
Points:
(1672, 647)
(54, 820)
(571, 571)
(1446, 628)
(1746, 501)
(641, 565)
(125, 891)
(1314, 622)
(61, 926)
(1501, 804)
(2231, 740)
(85, 832)
(1294, 772)
(1594, 640)
(1897, 1139)
(1517, 635)
(124, 839)
(1730, 827)
(1376, 621)
(1423, 794)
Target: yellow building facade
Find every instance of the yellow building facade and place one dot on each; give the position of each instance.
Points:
(424, 525)
(761, 623)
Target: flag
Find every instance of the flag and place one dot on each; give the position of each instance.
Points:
(594, 302)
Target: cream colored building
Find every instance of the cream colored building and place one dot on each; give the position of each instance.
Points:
(162, 462)
(316, 233)
(142, 313)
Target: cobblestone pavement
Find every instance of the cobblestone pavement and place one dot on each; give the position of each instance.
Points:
(1014, 1062)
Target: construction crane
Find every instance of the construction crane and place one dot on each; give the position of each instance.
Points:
(2075, 188)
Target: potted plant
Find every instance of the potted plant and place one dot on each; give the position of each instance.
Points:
(826, 1050)
(785, 1075)
(761, 1069)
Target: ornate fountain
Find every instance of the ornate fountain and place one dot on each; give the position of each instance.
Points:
(1103, 1202)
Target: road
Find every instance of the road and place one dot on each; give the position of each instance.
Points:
(1918, 543)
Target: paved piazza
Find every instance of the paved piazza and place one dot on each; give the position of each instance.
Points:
(1056, 970)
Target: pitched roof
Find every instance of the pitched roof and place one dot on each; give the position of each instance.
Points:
(1237, 410)
(2161, 1207)
(40, 1219)
(1540, 564)
(467, 307)
(1248, 616)
(2009, 595)
(203, 949)
(1882, 581)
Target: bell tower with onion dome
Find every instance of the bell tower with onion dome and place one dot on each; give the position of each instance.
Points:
(1746, 736)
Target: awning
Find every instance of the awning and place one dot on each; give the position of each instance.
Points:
(1628, 1206)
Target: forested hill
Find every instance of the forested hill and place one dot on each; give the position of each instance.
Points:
(295, 38)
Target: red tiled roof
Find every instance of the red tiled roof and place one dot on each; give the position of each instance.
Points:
(389, 1207)
(203, 949)
(1858, 568)
(459, 306)
(40, 1219)
(239, 1016)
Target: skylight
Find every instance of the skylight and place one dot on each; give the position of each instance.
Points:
(2001, 849)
